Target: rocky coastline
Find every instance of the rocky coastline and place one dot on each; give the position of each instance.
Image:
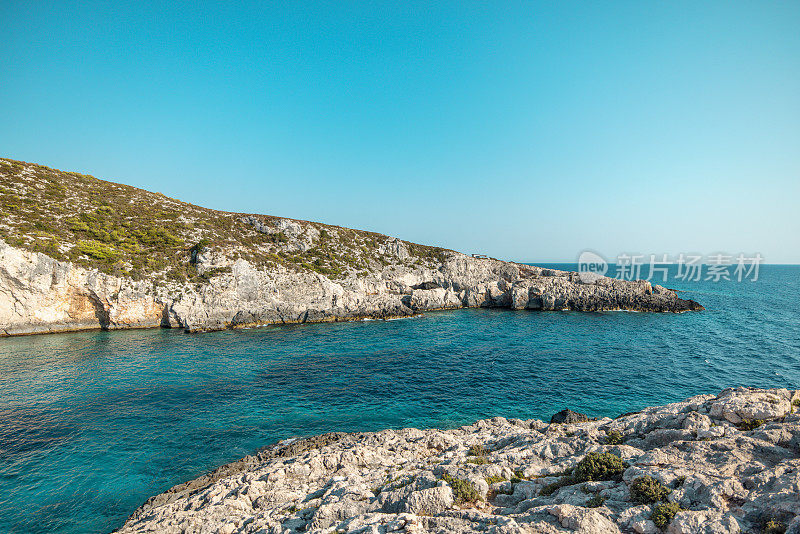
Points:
(79, 253)
(721, 463)
(39, 294)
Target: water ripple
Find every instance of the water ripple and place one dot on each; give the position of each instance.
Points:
(92, 424)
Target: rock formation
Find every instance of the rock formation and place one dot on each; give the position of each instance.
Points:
(710, 464)
(40, 294)
(77, 252)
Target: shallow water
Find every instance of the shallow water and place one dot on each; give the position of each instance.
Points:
(91, 424)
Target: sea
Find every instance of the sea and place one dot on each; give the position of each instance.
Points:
(94, 423)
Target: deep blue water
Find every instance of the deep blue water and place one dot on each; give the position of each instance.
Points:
(91, 424)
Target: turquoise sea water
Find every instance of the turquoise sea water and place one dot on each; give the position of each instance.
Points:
(91, 424)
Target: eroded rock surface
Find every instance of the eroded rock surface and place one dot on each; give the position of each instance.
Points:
(40, 294)
(726, 472)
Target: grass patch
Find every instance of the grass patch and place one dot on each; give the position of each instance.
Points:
(477, 450)
(96, 250)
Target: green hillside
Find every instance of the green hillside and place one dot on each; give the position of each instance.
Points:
(126, 231)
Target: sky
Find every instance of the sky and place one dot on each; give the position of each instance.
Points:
(528, 131)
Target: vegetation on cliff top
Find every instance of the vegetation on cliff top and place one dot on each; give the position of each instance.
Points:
(126, 231)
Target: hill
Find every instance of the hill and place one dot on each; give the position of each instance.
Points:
(125, 231)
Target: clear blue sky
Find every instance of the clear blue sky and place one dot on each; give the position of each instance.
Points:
(526, 130)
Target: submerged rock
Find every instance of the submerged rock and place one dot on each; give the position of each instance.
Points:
(502, 475)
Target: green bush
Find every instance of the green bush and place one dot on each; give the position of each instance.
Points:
(200, 246)
(277, 238)
(96, 250)
(646, 490)
(494, 479)
(594, 466)
(599, 466)
(663, 513)
(595, 502)
(477, 450)
(774, 527)
(463, 491)
(750, 424)
(614, 437)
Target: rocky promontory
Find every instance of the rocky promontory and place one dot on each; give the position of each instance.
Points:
(717, 464)
(81, 253)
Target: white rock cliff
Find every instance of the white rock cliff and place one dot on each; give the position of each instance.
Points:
(39, 294)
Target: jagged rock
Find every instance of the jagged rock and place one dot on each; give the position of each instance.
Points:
(568, 416)
(737, 405)
(703, 522)
(394, 480)
(583, 520)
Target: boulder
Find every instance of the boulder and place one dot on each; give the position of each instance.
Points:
(568, 416)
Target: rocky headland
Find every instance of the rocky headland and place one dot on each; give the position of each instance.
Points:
(722, 463)
(81, 253)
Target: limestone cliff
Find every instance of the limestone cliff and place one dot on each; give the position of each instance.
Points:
(112, 256)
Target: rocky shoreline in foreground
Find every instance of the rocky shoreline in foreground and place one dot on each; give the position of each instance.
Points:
(710, 464)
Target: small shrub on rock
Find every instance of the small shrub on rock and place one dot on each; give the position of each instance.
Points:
(477, 460)
(750, 424)
(614, 438)
(599, 466)
(494, 479)
(477, 450)
(463, 491)
(774, 527)
(646, 490)
(664, 513)
(595, 502)
(594, 466)
(551, 488)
